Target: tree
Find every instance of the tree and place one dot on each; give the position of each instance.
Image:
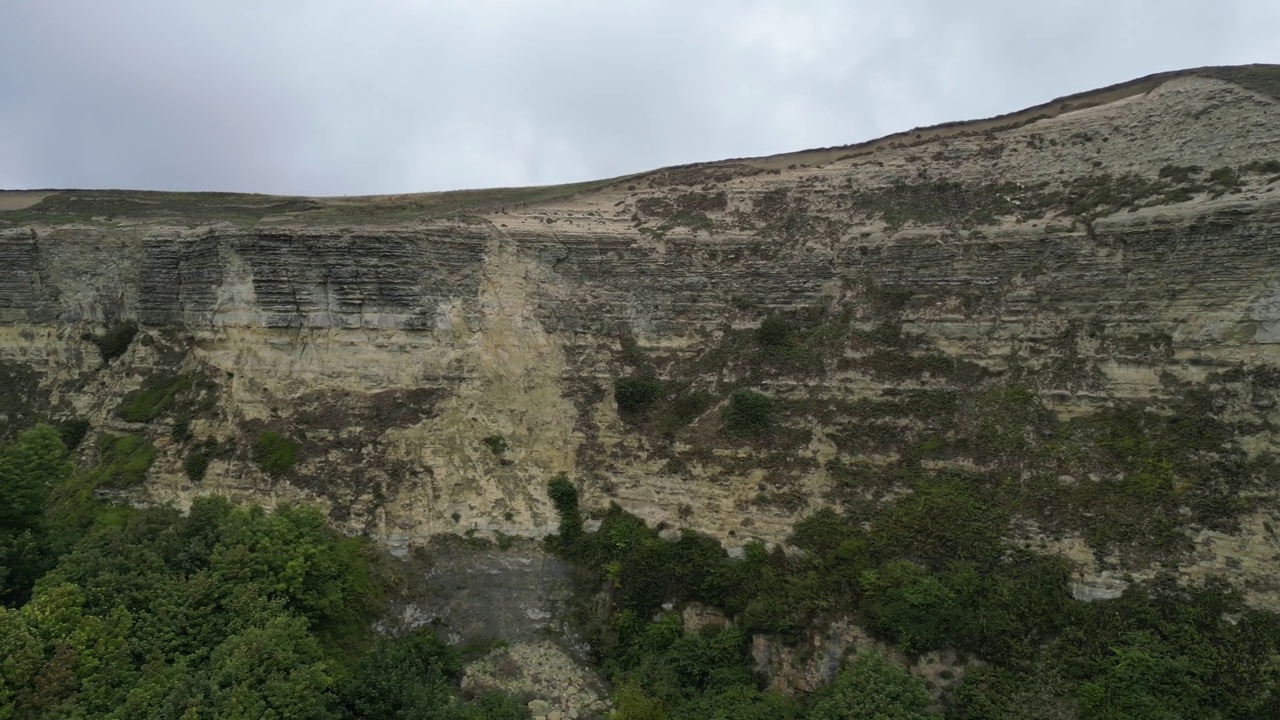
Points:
(277, 671)
(28, 468)
(408, 677)
(871, 689)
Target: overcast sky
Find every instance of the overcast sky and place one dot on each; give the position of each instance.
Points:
(377, 96)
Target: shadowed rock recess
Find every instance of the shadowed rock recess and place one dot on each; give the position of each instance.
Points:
(1077, 304)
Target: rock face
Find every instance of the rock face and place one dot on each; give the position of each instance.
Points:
(437, 363)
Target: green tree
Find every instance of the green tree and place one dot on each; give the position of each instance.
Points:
(276, 672)
(404, 678)
(632, 703)
(29, 468)
(869, 688)
(292, 556)
(1145, 679)
(909, 605)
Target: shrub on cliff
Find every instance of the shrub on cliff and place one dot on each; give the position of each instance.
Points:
(872, 688)
(748, 413)
(564, 496)
(154, 398)
(115, 341)
(774, 331)
(125, 460)
(274, 453)
(635, 394)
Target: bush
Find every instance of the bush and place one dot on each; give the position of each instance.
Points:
(685, 408)
(635, 394)
(125, 460)
(872, 688)
(154, 398)
(909, 605)
(408, 676)
(72, 432)
(774, 332)
(496, 444)
(196, 465)
(115, 341)
(274, 453)
(1263, 166)
(564, 496)
(748, 413)
(181, 430)
(941, 521)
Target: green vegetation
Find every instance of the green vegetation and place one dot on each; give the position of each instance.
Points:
(196, 463)
(1264, 79)
(274, 453)
(955, 204)
(72, 432)
(496, 444)
(110, 206)
(29, 467)
(115, 341)
(1269, 167)
(687, 407)
(687, 210)
(636, 394)
(929, 571)
(564, 496)
(124, 461)
(748, 413)
(869, 687)
(221, 613)
(156, 397)
(941, 202)
(780, 214)
(774, 332)
(195, 466)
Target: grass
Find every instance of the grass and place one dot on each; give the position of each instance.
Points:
(945, 202)
(688, 210)
(154, 399)
(125, 460)
(1264, 79)
(109, 206)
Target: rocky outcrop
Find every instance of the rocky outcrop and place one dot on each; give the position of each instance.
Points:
(436, 370)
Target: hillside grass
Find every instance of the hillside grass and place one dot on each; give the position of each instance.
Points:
(117, 206)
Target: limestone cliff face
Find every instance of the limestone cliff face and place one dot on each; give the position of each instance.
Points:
(436, 368)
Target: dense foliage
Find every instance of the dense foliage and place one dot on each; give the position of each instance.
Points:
(112, 612)
(928, 572)
(115, 612)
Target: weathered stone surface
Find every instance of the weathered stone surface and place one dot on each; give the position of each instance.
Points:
(516, 321)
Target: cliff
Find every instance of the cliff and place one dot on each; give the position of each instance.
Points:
(1079, 302)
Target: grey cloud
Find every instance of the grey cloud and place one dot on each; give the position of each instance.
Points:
(333, 97)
